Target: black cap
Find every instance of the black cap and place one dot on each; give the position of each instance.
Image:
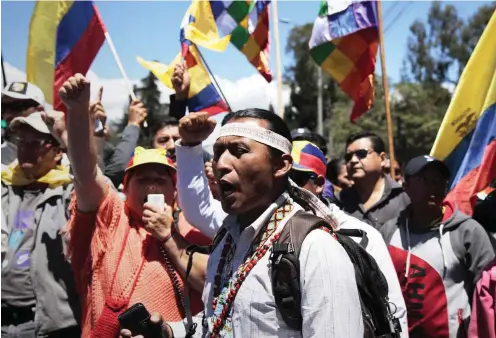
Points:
(416, 164)
(300, 132)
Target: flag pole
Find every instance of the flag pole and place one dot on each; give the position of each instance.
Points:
(386, 90)
(275, 23)
(213, 78)
(121, 68)
(3, 75)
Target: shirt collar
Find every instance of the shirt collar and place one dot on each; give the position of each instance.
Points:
(232, 225)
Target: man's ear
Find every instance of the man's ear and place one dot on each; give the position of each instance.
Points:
(319, 184)
(384, 159)
(283, 165)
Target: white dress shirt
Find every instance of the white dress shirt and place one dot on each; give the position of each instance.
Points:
(330, 302)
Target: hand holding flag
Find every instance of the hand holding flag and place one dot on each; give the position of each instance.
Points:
(180, 81)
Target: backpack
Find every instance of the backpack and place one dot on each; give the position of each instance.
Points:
(372, 285)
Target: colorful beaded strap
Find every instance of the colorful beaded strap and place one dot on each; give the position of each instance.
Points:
(228, 294)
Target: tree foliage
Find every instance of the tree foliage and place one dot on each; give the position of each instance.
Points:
(149, 94)
(437, 51)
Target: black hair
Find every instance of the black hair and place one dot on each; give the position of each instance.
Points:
(333, 169)
(375, 140)
(162, 123)
(275, 123)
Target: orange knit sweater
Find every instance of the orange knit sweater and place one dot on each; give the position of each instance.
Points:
(96, 240)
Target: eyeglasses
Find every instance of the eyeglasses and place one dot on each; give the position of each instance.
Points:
(20, 105)
(301, 177)
(360, 154)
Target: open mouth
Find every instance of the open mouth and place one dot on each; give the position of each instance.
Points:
(226, 188)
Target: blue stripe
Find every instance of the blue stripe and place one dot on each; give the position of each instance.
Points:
(470, 151)
(72, 27)
(207, 97)
(356, 17)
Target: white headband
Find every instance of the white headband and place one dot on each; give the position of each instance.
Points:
(259, 134)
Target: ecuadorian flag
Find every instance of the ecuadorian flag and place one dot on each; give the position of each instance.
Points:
(64, 38)
(466, 141)
(202, 96)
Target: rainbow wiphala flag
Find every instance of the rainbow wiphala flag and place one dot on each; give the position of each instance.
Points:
(247, 21)
(344, 43)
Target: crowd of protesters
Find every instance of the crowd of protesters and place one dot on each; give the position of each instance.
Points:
(83, 242)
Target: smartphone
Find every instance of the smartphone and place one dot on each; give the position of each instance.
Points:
(136, 319)
(98, 126)
(156, 199)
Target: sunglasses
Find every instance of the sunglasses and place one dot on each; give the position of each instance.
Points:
(301, 177)
(19, 105)
(360, 154)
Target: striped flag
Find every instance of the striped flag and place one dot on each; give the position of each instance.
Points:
(247, 22)
(466, 140)
(344, 43)
(64, 38)
(202, 96)
(199, 27)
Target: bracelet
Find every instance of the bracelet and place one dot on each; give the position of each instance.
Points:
(167, 238)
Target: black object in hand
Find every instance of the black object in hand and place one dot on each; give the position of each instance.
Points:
(137, 320)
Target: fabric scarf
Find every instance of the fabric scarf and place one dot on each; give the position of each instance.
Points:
(15, 176)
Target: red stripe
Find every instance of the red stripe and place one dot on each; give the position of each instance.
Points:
(220, 107)
(462, 195)
(80, 58)
(313, 163)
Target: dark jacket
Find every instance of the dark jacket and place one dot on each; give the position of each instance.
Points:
(392, 202)
(117, 164)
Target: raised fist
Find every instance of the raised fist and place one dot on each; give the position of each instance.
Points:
(75, 92)
(180, 81)
(195, 128)
(137, 113)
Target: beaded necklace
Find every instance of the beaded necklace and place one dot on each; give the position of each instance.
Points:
(223, 300)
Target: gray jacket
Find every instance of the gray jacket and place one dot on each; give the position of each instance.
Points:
(393, 201)
(57, 304)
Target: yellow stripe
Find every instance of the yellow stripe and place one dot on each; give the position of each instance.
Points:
(41, 46)
(475, 92)
(198, 75)
(203, 31)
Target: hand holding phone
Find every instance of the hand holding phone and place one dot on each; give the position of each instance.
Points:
(157, 200)
(137, 319)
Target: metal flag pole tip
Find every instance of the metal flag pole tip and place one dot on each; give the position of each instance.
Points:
(121, 68)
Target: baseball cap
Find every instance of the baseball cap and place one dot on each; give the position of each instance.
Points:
(417, 164)
(35, 121)
(308, 157)
(24, 91)
(146, 156)
(301, 133)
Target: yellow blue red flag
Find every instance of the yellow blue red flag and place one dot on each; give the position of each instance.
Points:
(64, 38)
(466, 141)
(203, 95)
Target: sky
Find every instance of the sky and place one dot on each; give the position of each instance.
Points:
(150, 29)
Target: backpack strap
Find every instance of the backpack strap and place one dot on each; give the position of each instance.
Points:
(356, 233)
(285, 266)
